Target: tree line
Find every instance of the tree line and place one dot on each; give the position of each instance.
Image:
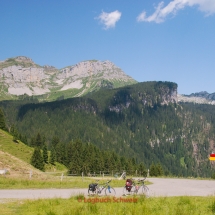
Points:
(86, 158)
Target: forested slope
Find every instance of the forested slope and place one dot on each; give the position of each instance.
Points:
(142, 121)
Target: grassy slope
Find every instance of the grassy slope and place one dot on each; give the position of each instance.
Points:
(15, 157)
(18, 168)
(18, 150)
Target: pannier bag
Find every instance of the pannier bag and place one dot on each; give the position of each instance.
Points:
(128, 184)
(92, 187)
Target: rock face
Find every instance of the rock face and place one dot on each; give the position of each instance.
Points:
(21, 75)
(145, 94)
(200, 98)
(203, 94)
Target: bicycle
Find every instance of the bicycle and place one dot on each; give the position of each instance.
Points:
(135, 187)
(96, 189)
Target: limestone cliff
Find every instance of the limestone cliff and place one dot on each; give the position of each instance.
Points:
(20, 75)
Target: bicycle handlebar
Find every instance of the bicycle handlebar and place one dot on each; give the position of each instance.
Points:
(142, 179)
(104, 182)
(133, 179)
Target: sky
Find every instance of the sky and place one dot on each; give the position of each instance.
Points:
(170, 40)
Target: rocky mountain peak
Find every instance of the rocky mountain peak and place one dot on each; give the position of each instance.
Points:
(49, 67)
(23, 58)
(20, 75)
(93, 69)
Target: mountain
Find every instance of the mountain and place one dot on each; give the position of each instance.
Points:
(200, 98)
(21, 76)
(143, 121)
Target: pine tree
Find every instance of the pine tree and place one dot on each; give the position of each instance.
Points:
(55, 141)
(60, 150)
(38, 141)
(76, 164)
(15, 135)
(2, 120)
(37, 159)
(153, 170)
(52, 158)
(24, 140)
(159, 169)
(33, 142)
(45, 154)
(142, 170)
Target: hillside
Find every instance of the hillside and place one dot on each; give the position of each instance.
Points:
(19, 150)
(21, 77)
(143, 121)
(15, 157)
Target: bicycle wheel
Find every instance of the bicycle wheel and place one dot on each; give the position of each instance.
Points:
(92, 193)
(127, 192)
(99, 190)
(109, 191)
(145, 191)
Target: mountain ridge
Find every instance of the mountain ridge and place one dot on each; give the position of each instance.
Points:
(20, 76)
(202, 97)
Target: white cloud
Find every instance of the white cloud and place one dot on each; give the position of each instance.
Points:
(161, 12)
(109, 19)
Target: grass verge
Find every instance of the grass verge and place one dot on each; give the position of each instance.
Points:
(54, 182)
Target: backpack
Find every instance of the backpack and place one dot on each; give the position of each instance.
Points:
(92, 187)
(128, 184)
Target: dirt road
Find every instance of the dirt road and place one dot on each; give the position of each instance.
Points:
(160, 187)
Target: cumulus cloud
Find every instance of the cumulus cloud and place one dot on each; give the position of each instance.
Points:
(109, 19)
(161, 11)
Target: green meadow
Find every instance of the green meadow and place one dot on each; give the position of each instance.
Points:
(121, 205)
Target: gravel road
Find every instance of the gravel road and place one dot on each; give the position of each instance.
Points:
(160, 187)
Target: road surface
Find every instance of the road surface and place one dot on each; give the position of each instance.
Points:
(160, 187)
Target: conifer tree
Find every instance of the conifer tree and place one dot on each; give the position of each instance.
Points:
(38, 141)
(45, 154)
(141, 169)
(37, 159)
(55, 141)
(24, 140)
(60, 150)
(152, 170)
(52, 158)
(2, 120)
(32, 141)
(159, 169)
(15, 135)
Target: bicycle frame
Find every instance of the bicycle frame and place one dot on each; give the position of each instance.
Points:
(108, 190)
(101, 187)
(136, 186)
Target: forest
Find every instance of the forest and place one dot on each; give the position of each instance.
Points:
(132, 128)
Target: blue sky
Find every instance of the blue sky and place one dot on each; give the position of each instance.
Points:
(149, 40)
